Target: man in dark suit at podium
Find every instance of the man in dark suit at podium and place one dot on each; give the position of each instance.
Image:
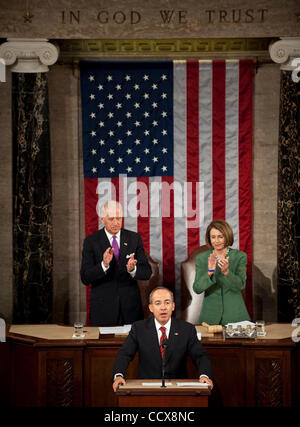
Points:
(148, 338)
(113, 259)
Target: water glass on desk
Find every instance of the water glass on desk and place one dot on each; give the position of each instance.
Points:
(78, 330)
(260, 328)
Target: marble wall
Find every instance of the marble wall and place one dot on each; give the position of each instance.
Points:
(32, 201)
(117, 19)
(6, 242)
(289, 200)
(68, 214)
(265, 170)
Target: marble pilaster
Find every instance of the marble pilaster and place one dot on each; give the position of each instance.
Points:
(32, 198)
(289, 200)
(286, 52)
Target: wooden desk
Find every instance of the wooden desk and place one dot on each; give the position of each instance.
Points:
(42, 366)
(135, 394)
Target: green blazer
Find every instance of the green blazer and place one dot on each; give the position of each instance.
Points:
(223, 302)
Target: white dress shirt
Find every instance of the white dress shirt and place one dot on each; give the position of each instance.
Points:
(118, 238)
(159, 332)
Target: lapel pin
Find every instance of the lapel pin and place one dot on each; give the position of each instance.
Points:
(125, 244)
(176, 333)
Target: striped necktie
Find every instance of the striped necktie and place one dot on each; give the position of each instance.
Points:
(162, 338)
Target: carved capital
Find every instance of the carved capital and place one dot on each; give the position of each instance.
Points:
(284, 52)
(28, 55)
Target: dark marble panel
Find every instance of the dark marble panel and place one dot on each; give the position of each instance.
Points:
(32, 222)
(288, 200)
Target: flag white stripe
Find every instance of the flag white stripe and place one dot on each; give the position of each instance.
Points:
(179, 119)
(155, 221)
(130, 220)
(205, 141)
(231, 147)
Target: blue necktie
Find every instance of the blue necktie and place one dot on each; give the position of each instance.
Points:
(115, 247)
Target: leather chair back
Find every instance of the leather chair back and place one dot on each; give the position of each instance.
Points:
(190, 301)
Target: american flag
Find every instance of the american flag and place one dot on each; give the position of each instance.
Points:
(172, 141)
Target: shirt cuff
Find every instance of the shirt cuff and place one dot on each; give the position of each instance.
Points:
(118, 375)
(103, 267)
(132, 273)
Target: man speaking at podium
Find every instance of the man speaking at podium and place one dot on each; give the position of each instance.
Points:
(161, 337)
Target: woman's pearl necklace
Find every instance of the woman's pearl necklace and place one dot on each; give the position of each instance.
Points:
(224, 256)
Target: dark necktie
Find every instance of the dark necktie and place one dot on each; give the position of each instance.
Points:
(115, 247)
(162, 338)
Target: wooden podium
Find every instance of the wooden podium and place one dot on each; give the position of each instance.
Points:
(149, 393)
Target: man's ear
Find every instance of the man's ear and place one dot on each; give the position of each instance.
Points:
(150, 308)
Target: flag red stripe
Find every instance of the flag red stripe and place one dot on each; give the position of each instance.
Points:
(91, 223)
(168, 241)
(245, 170)
(192, 145)
(90, 203)
(143, 223)
(218, 140)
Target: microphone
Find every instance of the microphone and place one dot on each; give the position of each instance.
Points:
(164, 345)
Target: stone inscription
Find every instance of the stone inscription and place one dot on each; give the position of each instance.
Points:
(168, 16)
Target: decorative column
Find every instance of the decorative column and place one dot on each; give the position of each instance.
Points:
(287, 53)
(32, 222)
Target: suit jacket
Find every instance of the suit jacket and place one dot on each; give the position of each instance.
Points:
(182, 342)
(114, 292)
(223, 302)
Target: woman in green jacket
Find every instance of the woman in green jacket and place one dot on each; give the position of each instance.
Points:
(221, 274)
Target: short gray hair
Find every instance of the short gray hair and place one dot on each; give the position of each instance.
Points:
(110, 204)
(160, 288)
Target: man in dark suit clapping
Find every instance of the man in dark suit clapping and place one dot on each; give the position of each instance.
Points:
(113, 259)
(146, 338)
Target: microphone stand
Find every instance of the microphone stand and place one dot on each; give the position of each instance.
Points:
(164, 346)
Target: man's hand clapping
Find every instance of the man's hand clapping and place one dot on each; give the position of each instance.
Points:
(107, 257)
(131, 263)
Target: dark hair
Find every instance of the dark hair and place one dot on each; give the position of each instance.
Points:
(224, 228)
(157, 289)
